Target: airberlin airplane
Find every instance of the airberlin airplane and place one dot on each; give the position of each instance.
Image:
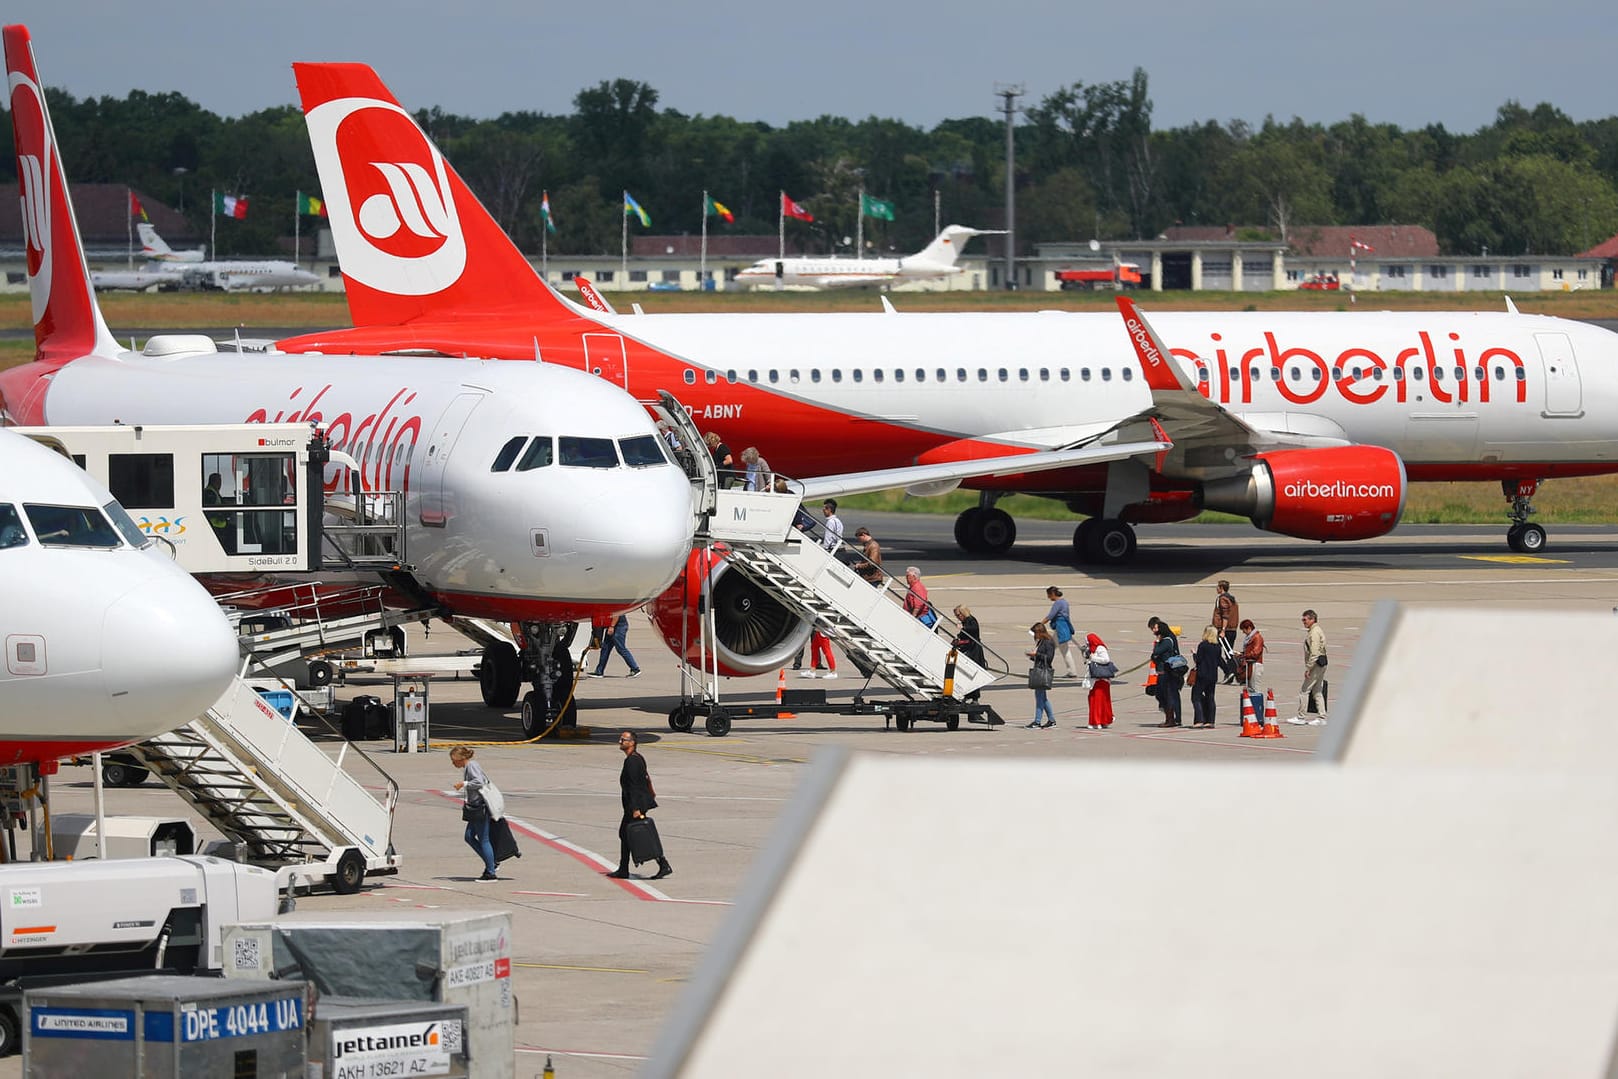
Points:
(1310, 424)
(534, 494)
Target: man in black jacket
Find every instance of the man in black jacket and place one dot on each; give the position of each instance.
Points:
(635, 786)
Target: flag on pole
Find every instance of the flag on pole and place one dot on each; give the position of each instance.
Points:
(633, 207)
(870, 207)
(792, 209)
(136, 209)
(230, 205)
(309, 206)
(718, 209)
(545, 211)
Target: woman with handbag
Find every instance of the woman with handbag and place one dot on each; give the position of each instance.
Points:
(475, 810)
(1102, 671)
(638, 797)
(1042, 675)
(1171, 668)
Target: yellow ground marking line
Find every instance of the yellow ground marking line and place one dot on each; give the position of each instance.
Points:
(1518, 559)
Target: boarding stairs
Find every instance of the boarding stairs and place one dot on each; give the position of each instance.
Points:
(283, 799)
(869, 623)
(310, 620)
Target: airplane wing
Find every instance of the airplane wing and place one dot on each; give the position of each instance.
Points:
(936, 478)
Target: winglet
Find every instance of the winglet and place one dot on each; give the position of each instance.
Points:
(1155, 362)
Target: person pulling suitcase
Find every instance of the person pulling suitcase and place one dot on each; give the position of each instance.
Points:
(635, 789)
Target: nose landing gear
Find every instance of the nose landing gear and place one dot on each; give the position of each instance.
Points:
(1522, 537)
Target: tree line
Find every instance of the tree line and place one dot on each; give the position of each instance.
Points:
(1089, 164)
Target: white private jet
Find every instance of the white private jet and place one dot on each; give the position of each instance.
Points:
(937, 259)
(535, 494)
(107, 642)
(168, 269)
(156, 249)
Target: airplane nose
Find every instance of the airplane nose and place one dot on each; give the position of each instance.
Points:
(647, 548)
(167, 653)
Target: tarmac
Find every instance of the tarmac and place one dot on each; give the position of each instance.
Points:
(599, 963)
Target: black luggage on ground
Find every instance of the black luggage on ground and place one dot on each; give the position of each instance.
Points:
(365, 718)
(504, 843)
(644, 842)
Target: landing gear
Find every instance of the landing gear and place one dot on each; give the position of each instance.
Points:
(985, 530)
(546, 661)
(1104, 541)
(1522, 537)
(499, 676)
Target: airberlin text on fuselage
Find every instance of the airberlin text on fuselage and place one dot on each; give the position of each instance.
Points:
(353, 435)
(1359, 375)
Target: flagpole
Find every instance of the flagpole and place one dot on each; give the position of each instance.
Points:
(781, 225)
(623, 246)
(937, 228)
(544, 245)
(859, 227)
(297, 226)
(213, 222)
(702, 273)
(129, 211)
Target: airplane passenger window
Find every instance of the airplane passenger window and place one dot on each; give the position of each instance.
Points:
(1064, 374)
(710, 377)
(1106, 374)
(1295, 374)
(1044, 374)
(983, 375)
(876, 376)
(858, 375)
(752, 376)
(1479, 374)
(690, 377)
(1415, 373)
(1314, 372)
(1275, 374)
(814, 376)
(793, 375)
(921, 375)
(1336, 373)
(1129, 373)
(837, 374)
(899, 375)
(1460, 374)
(1003, 375)
(643, 450)
(1376, 374)
(1438, 374)
(1022, 374)
(70, 526)
(540, 453)
(775, 376)
(11, 530)
(1522, 374)
(960, 374)
(1202, 375)
(508, 453)
(1084, 374)
(1499, 374)
(125, 525)
(1235, 373)
(730, 376)
(943, 375)
(579, 452)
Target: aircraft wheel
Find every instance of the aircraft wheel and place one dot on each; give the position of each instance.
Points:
(535, 713)
(718, 723)
(1514, 537)
(1531, 540)
(681, 718)
(498, 675)
(1081, 538)
(996, 532)
(967, 536)
(1112, 542)
(349, 874)
(119, 774)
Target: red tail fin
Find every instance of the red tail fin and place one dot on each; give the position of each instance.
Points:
(67, 322)
(413, 241)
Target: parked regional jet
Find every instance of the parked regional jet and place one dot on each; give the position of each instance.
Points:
(168, 269)
(107, 641)
(535, 494)
(937, 259)
(1312, 424)
(157, 249)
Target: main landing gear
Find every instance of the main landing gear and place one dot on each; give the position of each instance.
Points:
(546, 661)
(1104, 541)
(1522, 537)
(985, 530)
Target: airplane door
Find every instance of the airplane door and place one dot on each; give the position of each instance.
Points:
(437, 505)
(604, 357)
(1564, 391)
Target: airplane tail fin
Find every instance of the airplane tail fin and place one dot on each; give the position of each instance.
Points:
(152, 245)
(67, 321)
(946, 246)
(413, 241)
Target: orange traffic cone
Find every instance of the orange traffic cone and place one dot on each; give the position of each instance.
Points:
(781, 685)
(1151, 680)
(1272, 723)
(1250, 724)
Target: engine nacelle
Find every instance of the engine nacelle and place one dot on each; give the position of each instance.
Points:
(1330, 493)
(757, 635)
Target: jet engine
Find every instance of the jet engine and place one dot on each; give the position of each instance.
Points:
(757, 635)
(1330, 493)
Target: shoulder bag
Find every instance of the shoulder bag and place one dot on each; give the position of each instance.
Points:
(1041, 677)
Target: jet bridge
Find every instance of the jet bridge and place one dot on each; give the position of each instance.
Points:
(239, 498)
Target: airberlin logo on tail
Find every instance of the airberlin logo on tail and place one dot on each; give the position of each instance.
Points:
(1339, 489)
(34, 154)
(1143, 342)
(387, 197)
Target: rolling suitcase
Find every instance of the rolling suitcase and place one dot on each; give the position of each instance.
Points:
(644, 843)
(504, 843)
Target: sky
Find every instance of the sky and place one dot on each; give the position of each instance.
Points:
(1410, 63)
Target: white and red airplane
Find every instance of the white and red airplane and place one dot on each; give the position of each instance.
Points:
(107, 641)
(937, 259)
(1310, 424)
(535, 494)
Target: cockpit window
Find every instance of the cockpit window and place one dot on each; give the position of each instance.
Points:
(642, 451)
(577, 452)
(540, 453)
(508, 453)
(11, 530)
(122, 522)
(70, 526)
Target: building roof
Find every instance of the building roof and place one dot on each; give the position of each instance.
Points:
(1387, 241)
(1605, 250)
(102, 211)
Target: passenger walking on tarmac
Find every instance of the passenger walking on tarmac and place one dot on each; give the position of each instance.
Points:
(1102, 671)
(1042, 675)
(1060, 619)
(1208, 667)
(1314, 673)
(1227, 616)
(638, 797)
(1171, 668)
(617, 639)
(475, 811)
(1250, 667)
(969, 643)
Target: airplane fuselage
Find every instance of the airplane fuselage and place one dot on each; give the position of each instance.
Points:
(840, 273)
